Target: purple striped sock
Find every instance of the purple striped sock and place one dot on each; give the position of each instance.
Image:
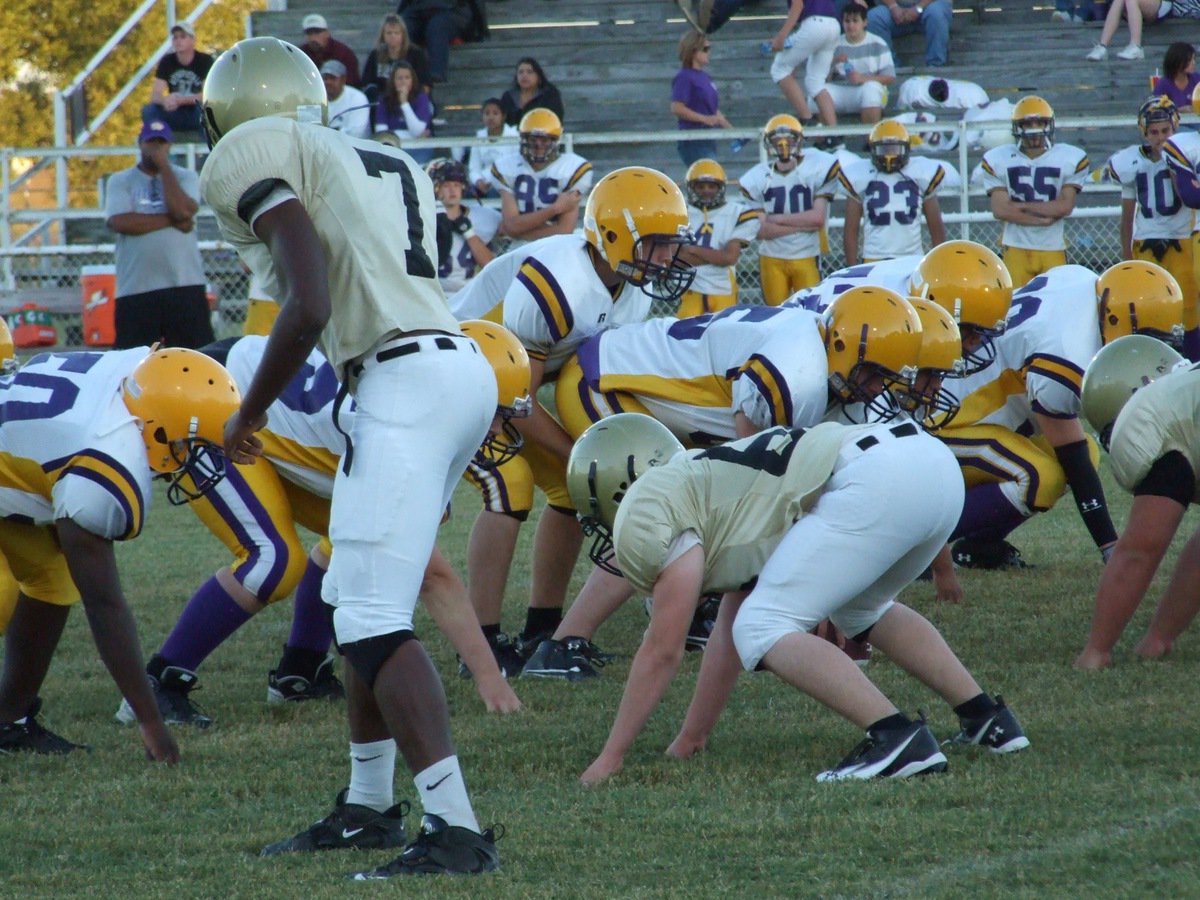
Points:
(209, 618)
(311, 626)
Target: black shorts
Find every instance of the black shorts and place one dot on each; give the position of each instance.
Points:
(175, 317)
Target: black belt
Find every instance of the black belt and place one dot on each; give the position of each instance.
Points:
(382, 356)
(908, 429)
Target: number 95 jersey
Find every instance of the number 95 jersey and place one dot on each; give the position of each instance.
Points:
(373, 211)
(69, 447)
(535, 189)
(1052, 334)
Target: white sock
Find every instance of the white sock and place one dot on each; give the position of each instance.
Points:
(444, 793)
(372, 774)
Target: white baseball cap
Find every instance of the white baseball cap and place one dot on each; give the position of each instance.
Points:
(314, 22)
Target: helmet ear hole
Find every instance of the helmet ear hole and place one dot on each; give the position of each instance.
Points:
(160, 435)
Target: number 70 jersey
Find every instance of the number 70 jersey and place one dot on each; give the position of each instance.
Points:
(373, 210)
(816, 175)
(69, 447)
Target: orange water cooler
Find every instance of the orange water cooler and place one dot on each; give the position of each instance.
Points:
(98, 285)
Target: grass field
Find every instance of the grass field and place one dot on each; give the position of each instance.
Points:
(1104, 804)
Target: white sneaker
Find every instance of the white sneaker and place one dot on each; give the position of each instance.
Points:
(1060, 15)
(1133, 51)
(1097, 53)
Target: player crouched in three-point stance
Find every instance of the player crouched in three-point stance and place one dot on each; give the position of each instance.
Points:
(288, 194)
(833, 521)
(1144, 402)
(81, 434)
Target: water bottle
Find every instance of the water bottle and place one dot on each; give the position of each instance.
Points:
(738, 144)
(787, 45)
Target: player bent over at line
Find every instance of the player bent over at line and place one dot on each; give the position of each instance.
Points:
(834, 522)
(81, 434)
(254, 510)
(287, 192)
(1144, 402)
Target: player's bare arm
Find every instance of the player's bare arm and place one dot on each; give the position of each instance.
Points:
(93, 567)
(299, 259)
(850, 230)
(540, 427)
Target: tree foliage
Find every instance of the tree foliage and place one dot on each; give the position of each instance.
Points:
(44, 45)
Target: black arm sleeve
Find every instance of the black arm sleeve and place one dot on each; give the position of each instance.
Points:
(1171, 476)
(1089, 494)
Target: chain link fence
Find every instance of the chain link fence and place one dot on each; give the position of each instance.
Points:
(46, 270)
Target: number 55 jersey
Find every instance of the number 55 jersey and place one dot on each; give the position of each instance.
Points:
(69, 447)
(1033, 180)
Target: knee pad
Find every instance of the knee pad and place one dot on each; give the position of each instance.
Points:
(368, 655)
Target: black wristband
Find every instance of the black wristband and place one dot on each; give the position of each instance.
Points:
(1089, 493)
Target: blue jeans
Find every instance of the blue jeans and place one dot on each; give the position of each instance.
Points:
(185, 118)
(935, 23)
(435, 31)
(690, 151)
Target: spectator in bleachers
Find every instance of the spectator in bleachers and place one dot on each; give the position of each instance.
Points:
(531, 89)
(392, 46)
(349, 110)
(811, 45)
(1179, 78)
(160, 275)
(694, 98)
(896, 18)
(435, 24)
(1070, 12)
(862, 68)
(406, 110)
(479, 167)
(175, 94)
(1134, 11)
(321, 46)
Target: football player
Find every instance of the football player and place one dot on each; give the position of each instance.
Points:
(557, 292)
(302, 205)
(1143, 399)
(781, 367)
(722, 229)
(254, 512)
(541, 186)
(81, 435)
(829, 522)
(793, 189)
(1018, 436)
(1033, 184)
(895, 189)
(464, 235)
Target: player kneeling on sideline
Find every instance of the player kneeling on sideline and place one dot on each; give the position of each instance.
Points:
(1144, 402)
(81, 435)
(833, 522)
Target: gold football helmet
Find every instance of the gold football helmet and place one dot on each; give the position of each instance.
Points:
(971, 283)
(889, 143)
(1196, 99)
(632, 212)
(510, 362)
(782, 137)
(871, 333)
(605, 461)
(1158, 109)
(1140, 297)
(1033, 122)
(540, 130)
(705, 181)
(1117, 372)
(929, 401)
(8, 350)
(261, 77)
(182, 399)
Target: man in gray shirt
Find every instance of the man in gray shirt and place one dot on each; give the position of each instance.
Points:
(160, 276)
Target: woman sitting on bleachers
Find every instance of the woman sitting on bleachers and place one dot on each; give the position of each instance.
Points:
(392, 46)
(530, 90)
(406, 110)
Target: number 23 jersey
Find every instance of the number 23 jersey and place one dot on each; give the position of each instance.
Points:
(69, 447)
(1053, 332)
(1029, 180)
(373, 210)
(892, 203)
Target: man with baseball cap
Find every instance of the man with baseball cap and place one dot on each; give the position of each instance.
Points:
(349, 108)
(160, 275)
(321, 46)
(178, 80)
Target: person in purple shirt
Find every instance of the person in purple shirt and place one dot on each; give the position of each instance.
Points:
(812, 43)
(694, 99)
(1179, 76)
(405, 110)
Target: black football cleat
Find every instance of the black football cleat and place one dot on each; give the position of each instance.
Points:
(441, 849)
(27, 735)
(349, 827)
